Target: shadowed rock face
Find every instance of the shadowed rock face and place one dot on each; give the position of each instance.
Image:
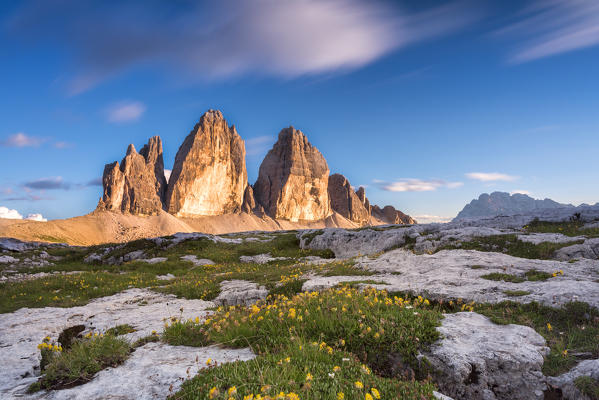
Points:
(138, 184)
(293, 180)
(209, 176)
(392, 216)
(345, 201)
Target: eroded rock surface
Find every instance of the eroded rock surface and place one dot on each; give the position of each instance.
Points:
(293, 180)
(138, 184)
(479, 360)
(566, 382)
(209, 176)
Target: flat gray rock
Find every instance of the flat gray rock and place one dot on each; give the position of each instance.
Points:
(261, 258)
(197, 261)
(8, 260)
(479, 360)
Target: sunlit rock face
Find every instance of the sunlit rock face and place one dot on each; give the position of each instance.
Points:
(346, 202)
(137, 185)
(293, 180)
(209, 176)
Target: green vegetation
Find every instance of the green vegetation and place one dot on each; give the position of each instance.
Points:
(477, 267)
(314, 335)
(345, 268)
(120, 330)
(510, 244)
(516, 293)
(532, 275)
(569, 330)
(308, 237)
(570, 228)
(588, 386)
(81, 362)
(68, 290)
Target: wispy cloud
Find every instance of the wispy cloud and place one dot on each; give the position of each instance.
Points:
(62, 145)
(491, 176)
(519, 191)
(94, 182)
(550, 27)
(125, 112)
(22, 140)
(416, 185)
(52, 183)
(258, 145)
(427, 219)
(209, 40)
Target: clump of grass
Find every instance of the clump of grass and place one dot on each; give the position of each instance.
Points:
(288, 288)
(498, 276)
(535, 275)
(68, 290)
(588, 386)
(120, 330)
(516, 293)
(568, 228)
(510, 244)
(82, 361)
(145, 340)
(477, 267)
(360, 283)
(300, 370)
(369, 324)
(345, 268)
(569, 330)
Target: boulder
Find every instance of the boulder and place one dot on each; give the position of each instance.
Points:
(293, 180)
(209, 176)
(479, 360)
(137, 185)
(345, 201)
(237, 292)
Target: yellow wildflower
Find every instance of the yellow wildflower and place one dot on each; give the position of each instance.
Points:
(340, 396)
(232, 390)
(375, 393)
(213, 393)
(309, 377)
(358, 384)
(368, 397)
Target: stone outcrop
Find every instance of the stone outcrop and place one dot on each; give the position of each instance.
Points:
(209, 176)
(137, 185)
(293, 180)
(390, 215)
(346, 202)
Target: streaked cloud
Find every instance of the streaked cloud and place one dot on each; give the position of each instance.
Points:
(551, 27)
(125, 112)
(209, 40)
(427, 219)
(258, 145)
(94, 182)
(52, 183)
(22, 140)
(416, 185)
(491, 176)
(519, 191)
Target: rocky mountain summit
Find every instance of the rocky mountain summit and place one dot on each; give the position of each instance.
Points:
(209, 178)
(138, 184)
(502, 203)
(293, 179)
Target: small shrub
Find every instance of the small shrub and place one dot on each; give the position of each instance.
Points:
(497, 276)
(588, 386)
(516, 293)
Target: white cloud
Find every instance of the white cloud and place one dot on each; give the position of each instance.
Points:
(551, 27)
(518, 191)
(258, 145)
(427, 219)
(126, 112)
(36, 217)
(21, 140)
(490, 176)
(233, 37)
(416, 185)
(167, 174)
(9, 214)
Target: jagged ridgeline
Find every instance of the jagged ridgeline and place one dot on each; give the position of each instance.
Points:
(209, 178)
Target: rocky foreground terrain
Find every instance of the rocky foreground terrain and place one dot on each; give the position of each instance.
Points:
(497, 308)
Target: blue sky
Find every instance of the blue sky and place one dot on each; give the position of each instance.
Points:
(427, 104)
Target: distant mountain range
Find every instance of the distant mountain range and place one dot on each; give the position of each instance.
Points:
(502, 203)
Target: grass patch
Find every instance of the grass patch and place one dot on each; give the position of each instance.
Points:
(82, 361)
(289, 288)
(516, 293)
(510, 244)
(535, 275)
(345, 268)
(120, 330)
(569, 228)
(569, 330)
(68, 290)
(497, 276)
(588, 386)
(477, 267)
(145, 340)
(311, 333)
